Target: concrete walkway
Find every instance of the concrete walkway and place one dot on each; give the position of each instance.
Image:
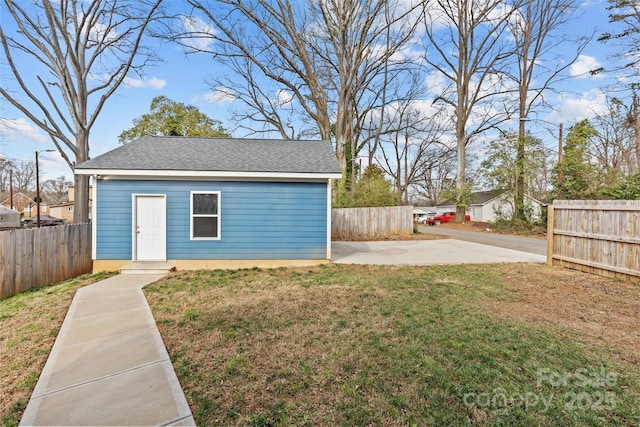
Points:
(108, 365)
(426, 252)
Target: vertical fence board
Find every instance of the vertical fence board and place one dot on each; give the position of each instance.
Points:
(4, 277)
(24, 261)
(598, 236)
(371, 222)
(10, 255)
(39, 259)
(40, 256)
(550, 238)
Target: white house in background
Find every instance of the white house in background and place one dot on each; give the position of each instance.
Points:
(418, 212)
(488, 206)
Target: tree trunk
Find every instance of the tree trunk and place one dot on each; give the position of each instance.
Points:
(81, 201)
(636, 128)
(461, 176)
(518, 208)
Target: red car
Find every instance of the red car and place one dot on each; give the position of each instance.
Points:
(444, 217)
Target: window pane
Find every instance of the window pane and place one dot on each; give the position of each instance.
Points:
(205, 227)
(205, 204)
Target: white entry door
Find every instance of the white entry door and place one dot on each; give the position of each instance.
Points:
(150, 228)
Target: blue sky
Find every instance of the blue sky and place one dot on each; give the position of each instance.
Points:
(182, 78)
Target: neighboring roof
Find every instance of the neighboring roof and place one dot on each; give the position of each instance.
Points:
(18, 195)
(7, 211)
(230, 155)
(420, 211)
(62, 204)
(482, 197)
(477, 198)
(44, 219)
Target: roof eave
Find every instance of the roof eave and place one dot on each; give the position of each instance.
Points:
(137, 173)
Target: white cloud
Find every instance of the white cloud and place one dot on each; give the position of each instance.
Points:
(412, 11)
(582, 67)
(426, 107)
(156, 83)
(582, 106)
(436, 83)
(500, 12)
(219, 96)
(134, 83)
(439, 17)
(283, 97)
(199, 35)
(436, 18)
(153, 83)
(99, 32)
(52, 165)
(20, 130)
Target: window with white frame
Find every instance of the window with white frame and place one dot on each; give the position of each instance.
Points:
(205, 215)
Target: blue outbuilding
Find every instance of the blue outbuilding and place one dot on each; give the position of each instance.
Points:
(212, 202)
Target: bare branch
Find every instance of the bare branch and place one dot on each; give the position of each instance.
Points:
(76, 43)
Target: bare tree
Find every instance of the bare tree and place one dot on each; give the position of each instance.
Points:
(313, 63)
(24, 175)
(438, 176)
(468, 49)
(407, 148)
(614, 145)
(537, 27)
(625, 62)
(273, 71)
(6, 171)
(84, 51)
(361, 40)
(626, 13)
(57, 189)
(633, 122)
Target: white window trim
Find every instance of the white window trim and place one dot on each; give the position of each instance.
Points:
(219, 215)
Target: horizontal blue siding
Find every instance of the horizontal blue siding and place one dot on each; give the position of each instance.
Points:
(259, 220)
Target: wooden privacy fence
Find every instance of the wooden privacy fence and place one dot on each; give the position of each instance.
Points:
(370, 222)
(39, 256)
(597, 236)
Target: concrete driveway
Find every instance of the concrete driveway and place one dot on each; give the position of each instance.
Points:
(426, 252)
(518, 243)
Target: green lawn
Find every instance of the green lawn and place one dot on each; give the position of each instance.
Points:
(29, 324)
(511, 344)
(360, 345)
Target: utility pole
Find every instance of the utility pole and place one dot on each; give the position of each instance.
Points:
(37, 192)
(11, 186)
(636, 126)
(560, 160)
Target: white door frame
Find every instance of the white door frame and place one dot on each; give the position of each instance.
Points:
(134, 223)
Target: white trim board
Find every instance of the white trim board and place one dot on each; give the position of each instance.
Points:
(160, 174)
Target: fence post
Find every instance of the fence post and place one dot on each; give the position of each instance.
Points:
(550, 226)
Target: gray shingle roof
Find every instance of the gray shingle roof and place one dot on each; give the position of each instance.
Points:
(477, 198)
(219, 155)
